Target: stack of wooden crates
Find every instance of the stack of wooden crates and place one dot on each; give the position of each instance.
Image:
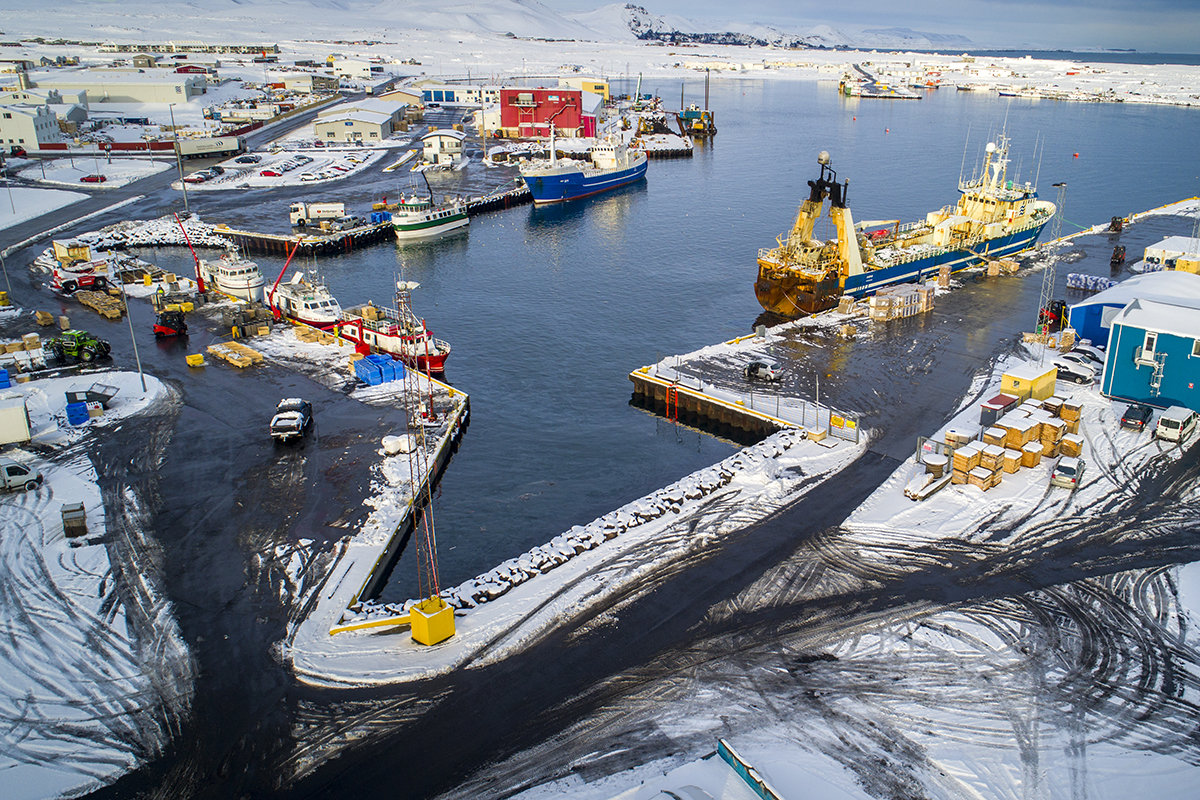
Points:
(899, 302)
(1021, 438)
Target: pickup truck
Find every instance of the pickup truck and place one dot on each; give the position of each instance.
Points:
(15, 476)
(291, 420)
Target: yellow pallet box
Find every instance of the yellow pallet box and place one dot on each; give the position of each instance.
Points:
(432, 621)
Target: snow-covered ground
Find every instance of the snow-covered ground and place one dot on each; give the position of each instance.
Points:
(962, 697)
(118, 172)
(96, 675)
(26, 203)
(321, 168)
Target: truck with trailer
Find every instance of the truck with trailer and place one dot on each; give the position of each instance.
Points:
(303, 213)
(211, 146)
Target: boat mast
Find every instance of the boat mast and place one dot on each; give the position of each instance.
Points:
(420, 478)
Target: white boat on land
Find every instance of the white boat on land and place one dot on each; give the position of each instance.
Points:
(306, 300)
(235, 276)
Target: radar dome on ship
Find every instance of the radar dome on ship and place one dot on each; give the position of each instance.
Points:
(823, 157)
(991, 147)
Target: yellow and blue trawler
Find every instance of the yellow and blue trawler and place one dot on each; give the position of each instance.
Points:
(994, 217)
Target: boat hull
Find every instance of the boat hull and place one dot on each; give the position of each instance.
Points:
(561, 186)
(429, 228)
(794, 294)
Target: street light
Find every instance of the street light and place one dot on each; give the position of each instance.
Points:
(178, 157)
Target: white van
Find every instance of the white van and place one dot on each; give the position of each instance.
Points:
(1176, 424)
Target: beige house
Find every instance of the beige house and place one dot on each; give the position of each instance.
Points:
(126, 86)
(308, 83)
(353, 125)
(29, 126)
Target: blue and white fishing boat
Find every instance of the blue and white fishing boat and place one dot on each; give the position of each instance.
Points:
(994, 217)
(556, 180)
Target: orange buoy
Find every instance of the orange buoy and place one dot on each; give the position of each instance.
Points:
(1077, 155)
(887, 130)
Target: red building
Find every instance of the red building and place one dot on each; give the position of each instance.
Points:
(527, 112)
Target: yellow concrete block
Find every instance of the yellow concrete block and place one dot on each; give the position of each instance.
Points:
(187, 307)
(432, 621)
(147, 280)
(196, 360)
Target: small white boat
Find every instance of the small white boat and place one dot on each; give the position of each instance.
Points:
(235, 276)
(306, 300)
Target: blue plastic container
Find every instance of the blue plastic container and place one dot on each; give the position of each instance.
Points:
(77, 413)
(385, 364)
(5, 382)
(368, 372)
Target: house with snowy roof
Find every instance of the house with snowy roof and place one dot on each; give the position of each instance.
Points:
(1092, 319)
(441, 146)
(1154, 354)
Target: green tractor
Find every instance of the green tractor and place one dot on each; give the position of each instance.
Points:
(77, 345)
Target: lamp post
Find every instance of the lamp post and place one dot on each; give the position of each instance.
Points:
(178, 158)
(132, 338)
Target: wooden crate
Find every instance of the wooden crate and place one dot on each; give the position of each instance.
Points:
(983, 478)
(1053, 405)
(1072, 445)
(1071, 411)
(1020, 432)
(1053, 430)
(958, 477)
(1031, 454)
(992, 457)
(966, 458)
(959, 437)
(1072, 426)
(1012, 461)
(1049, 449)
(994, 435)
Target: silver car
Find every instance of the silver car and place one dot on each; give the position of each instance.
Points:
(1067, 472)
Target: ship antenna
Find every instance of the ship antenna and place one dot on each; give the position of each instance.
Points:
(1041, 155)
(963, 166)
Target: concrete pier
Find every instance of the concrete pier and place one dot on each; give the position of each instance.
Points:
(676, 400)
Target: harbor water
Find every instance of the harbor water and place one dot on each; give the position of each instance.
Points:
(549, 309)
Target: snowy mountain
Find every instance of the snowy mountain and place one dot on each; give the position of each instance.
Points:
(908, 38)
(624, 21)
(273, 20)
(239, 20)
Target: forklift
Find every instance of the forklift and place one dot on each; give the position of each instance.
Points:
(169, 322)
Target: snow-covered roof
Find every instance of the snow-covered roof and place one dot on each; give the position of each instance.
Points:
(442, 132)
(1166, 286)
(1174, 245)
(1180, 319)
(357, 115)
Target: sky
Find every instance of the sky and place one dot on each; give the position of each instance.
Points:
(1159, 26)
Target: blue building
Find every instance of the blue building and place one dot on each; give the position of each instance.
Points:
(1154, 354)
(1092, 318)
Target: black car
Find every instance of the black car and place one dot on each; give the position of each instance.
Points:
(291, 420)
(251, 159)
(1136, 416)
